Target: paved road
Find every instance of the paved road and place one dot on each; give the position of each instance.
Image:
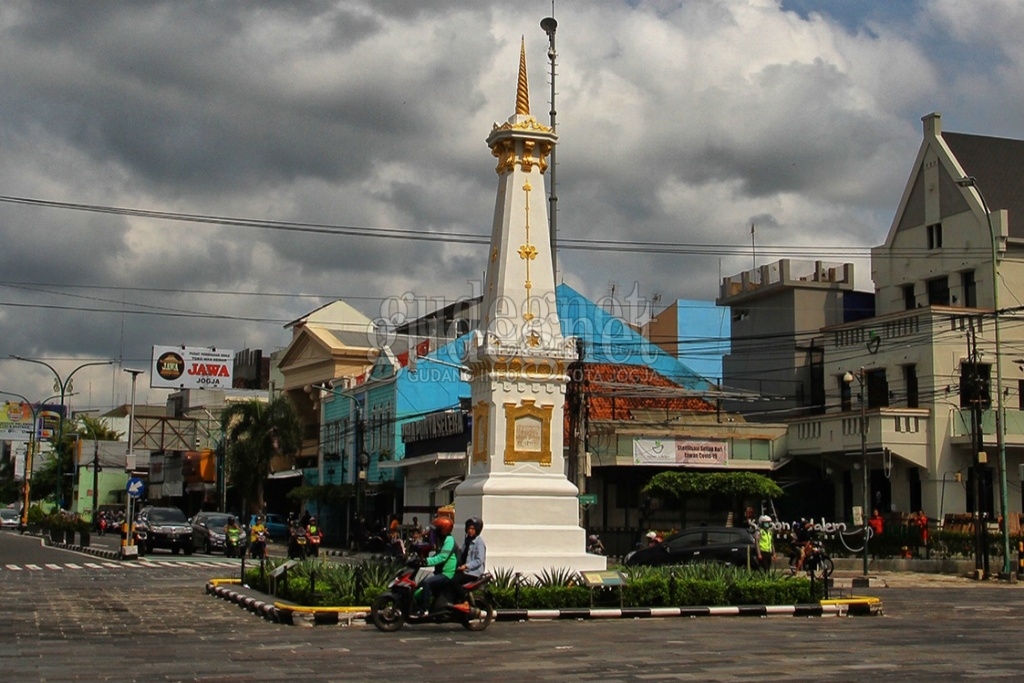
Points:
(157, 625)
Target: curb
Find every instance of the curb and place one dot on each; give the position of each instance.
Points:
(285, 613)
(257, 607)
(89, 550)
(808, 610)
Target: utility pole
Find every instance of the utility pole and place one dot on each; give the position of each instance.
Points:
(978, 443)
(577, 401)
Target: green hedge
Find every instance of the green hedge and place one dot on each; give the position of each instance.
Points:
(318, 583)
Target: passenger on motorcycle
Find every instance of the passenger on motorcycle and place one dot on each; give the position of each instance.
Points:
(801, 539)
(443, 561)
(473, 562)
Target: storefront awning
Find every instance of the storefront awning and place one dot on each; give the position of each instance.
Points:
(285, 474)
(430, 459)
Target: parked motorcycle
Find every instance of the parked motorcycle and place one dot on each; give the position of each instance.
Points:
(394, 609)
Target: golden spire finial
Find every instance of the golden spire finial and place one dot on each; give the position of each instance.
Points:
(523, 91)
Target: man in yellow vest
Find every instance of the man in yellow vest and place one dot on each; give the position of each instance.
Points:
(765, 538)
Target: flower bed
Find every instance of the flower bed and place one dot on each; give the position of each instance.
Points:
(319, 584)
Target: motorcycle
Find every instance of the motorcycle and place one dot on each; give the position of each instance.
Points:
(232, 543)
(817, 563)
(395, 608)
(313, 547)
(258, 547)
(297, 545)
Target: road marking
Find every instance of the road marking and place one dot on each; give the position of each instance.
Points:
(54, 566)
(71, 565)
(34, 567)
(111, 565)
(14, 567)
(93, 565)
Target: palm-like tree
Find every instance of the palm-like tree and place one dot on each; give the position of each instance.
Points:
(254, 432)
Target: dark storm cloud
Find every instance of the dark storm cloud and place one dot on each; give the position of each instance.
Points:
(678, 122)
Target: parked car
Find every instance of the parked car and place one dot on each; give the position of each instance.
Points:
(167, 528)
(277, 526)
(722, 545)
(9, 518)
(208, 530)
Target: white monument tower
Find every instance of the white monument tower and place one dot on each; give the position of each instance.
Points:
(517, 482)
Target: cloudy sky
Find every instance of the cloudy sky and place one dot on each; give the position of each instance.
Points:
(332, 133)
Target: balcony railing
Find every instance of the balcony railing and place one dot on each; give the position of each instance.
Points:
(1013, 426)
(903, 431)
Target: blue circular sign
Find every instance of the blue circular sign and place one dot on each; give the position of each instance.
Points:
(135, 487)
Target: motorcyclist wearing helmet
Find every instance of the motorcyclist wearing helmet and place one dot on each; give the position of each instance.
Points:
(764, 538)
(444, 562)
(472, 563)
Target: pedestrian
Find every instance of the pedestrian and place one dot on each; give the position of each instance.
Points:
(922, 526)
(877, 525)
(764, 538)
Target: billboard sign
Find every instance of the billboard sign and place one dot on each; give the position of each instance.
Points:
(16, 421)
(191, 367)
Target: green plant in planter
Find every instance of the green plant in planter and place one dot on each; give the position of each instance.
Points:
(36, 516)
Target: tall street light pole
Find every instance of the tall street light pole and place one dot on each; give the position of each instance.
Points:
(129, 463)
(29, 452)
(63, 387)
(848, 378)
(1007, 572)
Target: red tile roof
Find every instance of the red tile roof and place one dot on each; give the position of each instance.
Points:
(615, 391)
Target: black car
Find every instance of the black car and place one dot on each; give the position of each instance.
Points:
(720, 545)
(163, 528)
(208, 530)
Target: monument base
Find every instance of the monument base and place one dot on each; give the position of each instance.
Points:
(531, 521)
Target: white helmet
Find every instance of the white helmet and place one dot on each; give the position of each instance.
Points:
(764, 519)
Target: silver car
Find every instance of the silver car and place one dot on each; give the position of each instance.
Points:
(9, 518)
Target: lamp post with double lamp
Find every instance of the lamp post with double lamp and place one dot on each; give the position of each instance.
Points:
(848, 377)
(62, 386)
(128, 544)
(34, 409)
(971, 181)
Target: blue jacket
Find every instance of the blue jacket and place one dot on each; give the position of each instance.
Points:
(476, 557)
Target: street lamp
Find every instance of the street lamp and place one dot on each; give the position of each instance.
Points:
(129, 464)
(971, 181)
(63, 387)
(29, 452)
(848, 377)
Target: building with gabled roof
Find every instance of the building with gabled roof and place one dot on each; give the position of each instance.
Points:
(917, 367)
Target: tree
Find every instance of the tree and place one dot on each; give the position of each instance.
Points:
(254, 432)
(44, 481)
(734, 484)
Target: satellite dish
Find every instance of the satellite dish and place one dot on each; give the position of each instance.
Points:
(548, 24)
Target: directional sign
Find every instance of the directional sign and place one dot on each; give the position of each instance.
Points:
(135, 487)
(588, 498)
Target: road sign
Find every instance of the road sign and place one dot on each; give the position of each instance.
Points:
(135, 487)
(588, 498)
